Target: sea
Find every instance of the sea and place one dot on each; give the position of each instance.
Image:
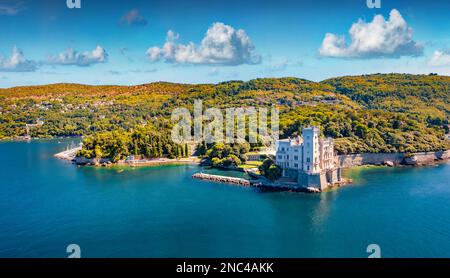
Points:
(47, 204)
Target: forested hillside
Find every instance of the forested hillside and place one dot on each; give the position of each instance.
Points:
(371, 113)
(425, 95)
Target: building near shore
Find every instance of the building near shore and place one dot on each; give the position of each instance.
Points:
(309, 159)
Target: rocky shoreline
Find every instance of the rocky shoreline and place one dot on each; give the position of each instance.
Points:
(393, 159)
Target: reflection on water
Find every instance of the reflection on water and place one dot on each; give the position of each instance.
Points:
(322, 209)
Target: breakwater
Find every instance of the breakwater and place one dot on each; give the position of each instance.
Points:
(263, 186)
(222, 179)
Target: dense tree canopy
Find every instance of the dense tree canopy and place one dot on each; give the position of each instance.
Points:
(143, 142)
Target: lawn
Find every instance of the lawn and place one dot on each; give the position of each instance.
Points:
(250, 164)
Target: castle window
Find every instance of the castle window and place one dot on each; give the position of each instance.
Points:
(295, 157)
(295, 165)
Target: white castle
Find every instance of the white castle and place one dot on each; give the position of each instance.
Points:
(309, 159)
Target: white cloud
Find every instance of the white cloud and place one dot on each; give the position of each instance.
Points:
(222, 45)
(17, 62)
(73, 57)
(379, 38)
(440, 59)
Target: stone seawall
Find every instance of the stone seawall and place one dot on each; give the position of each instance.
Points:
(422, 158)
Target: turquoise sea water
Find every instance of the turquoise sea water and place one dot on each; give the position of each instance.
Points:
(47, 204)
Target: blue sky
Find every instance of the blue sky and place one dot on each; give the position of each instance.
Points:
(134, 42)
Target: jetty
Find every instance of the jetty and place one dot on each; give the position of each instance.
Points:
(222, 179)
(261, 184)
(69, 154)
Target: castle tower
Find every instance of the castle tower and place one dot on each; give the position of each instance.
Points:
(311, 155)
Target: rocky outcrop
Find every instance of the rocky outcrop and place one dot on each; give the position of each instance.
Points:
(313, 190)
(82, 161)
(92, 161)
(411, 160)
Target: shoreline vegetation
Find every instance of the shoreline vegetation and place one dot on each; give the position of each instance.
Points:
(70, 155)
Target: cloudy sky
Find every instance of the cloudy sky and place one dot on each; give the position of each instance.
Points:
(134, 42)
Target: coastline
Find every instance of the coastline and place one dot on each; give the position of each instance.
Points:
(30, 139)
(70, 155)
(353, 162)
(162, 161)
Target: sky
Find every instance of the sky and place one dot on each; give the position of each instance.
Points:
(135, 42)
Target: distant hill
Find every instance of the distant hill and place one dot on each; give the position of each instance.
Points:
(420, 94)
(368, 113)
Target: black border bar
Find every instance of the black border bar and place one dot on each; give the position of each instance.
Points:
(278, 266)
